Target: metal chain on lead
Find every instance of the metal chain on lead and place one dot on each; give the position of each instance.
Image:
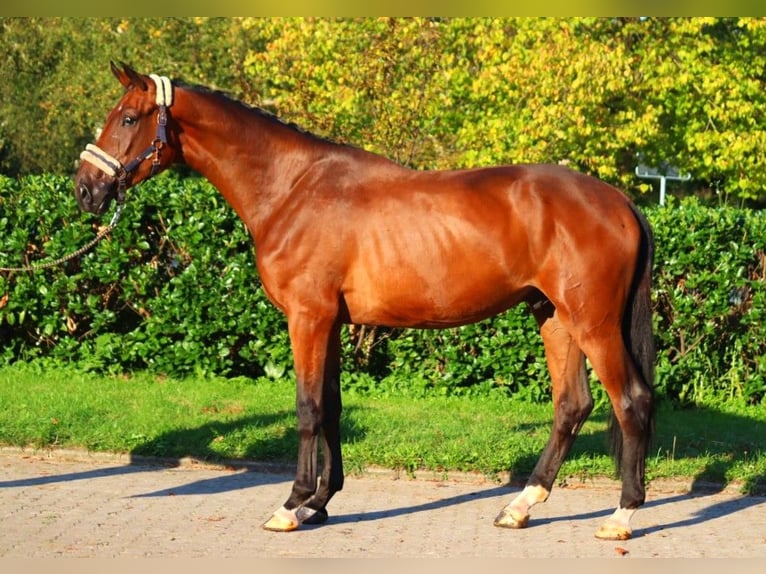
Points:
(84, 249)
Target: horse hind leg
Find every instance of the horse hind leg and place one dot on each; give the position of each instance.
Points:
(631, 428)
(572, 403)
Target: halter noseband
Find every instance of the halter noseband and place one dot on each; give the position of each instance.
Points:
(112, 166)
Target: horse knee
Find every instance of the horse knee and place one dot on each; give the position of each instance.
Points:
(309, 417)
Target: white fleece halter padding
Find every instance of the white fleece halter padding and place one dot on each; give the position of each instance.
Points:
(102, 160)
(164, 90)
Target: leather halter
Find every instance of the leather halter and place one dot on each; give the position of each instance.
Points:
(113, 167)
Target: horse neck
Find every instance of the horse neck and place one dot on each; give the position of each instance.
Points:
(252, 159)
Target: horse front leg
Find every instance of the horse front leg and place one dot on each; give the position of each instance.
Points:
(316, 350)
(332, 470)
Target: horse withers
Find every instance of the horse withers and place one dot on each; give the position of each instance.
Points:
(345, 236)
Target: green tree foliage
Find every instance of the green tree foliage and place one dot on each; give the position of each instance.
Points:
(374, 82)
(595, 93)
(702, 86)
(56, 85)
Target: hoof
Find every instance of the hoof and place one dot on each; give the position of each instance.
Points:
(613, 532)
(282, 520)
(617, 526)
(506, 519)
(316, 517)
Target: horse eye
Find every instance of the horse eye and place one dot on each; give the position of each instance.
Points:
(128, 121)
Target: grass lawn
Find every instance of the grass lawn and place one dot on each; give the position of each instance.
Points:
(216, 418)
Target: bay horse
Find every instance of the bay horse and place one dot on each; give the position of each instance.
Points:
(345, 236)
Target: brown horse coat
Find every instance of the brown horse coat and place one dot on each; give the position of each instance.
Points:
(346, 236)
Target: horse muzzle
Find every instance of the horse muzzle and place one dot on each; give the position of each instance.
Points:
(94, 196)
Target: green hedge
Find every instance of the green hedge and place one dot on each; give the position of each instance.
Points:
(174, 290)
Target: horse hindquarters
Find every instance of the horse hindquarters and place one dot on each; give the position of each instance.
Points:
(632, 423)
(622, 357)
(600, 306)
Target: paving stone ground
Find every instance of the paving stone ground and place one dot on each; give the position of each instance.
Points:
(84, 505)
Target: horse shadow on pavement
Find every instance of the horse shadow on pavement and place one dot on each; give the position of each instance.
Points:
(193, 443)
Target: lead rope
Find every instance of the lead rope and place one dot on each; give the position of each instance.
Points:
(84, 249)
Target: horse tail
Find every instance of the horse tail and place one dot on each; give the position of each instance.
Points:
(638, 334)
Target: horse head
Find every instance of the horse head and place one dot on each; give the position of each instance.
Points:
(133, 144)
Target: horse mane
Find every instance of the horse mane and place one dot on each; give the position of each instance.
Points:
(267, 115)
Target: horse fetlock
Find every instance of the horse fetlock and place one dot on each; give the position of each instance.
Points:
(516, 514)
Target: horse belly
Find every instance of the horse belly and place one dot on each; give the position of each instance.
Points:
(437, 267)
(429, 298)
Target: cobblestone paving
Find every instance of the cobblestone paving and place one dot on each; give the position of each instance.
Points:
(53, 505)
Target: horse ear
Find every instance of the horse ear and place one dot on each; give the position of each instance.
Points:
(128, 77)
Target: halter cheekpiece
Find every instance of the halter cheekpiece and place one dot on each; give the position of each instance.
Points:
(112, 166)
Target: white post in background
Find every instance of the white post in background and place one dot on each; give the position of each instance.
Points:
(664, 173)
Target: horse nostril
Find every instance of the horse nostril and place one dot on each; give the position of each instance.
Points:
(85, 195)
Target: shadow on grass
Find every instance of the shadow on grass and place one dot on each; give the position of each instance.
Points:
(199, 442)
(278, 444)
(727, 440)
(167, 451)
(683, 436)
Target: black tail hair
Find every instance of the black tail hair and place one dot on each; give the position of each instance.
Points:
(638, 332)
